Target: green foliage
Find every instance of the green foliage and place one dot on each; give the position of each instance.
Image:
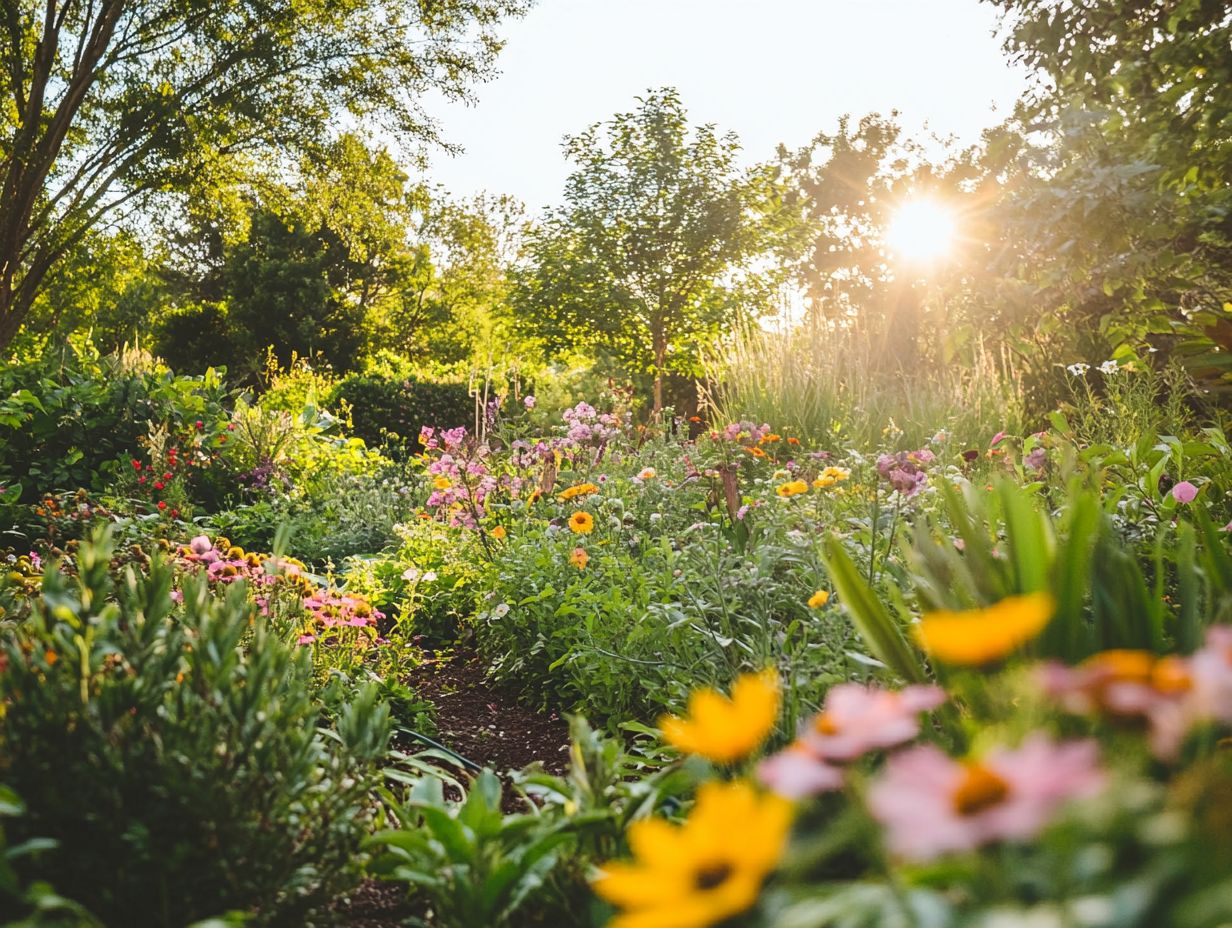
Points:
(183, 742)
(649, 257)
(478, 866)
(121, 103)
(390, 412)
(72, 420)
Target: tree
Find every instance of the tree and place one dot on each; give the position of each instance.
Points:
(1119, 217)
(651, 253)
(105, 102)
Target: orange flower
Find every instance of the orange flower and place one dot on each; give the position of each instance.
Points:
(579, 558)
(582, 523)
(499, 533)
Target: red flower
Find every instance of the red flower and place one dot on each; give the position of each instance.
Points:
(158, 484)
(200, 425)
(175, 513)
(162, 504)
(141, 479)
(167, 476)
(136, 464)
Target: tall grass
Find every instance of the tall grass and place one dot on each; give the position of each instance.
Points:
(838, 385)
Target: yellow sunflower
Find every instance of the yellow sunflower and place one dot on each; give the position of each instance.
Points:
(704, 871)
(725, 729)
(981, 636)
(582, 523)
(581, 489)
(792, 488)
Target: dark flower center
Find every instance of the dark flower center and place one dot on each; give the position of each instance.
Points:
(712, 876)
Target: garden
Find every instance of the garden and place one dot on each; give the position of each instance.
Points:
(837, 541)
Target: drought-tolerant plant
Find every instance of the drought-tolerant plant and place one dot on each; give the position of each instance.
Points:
(173, 750)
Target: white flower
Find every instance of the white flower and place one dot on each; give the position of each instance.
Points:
(429, 576)
(1078, 370)
(411, 574)
(1109, 367)
(500, 611)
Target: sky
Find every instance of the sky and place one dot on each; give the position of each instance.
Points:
(773, 71)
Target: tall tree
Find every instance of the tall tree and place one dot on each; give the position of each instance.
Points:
(105, 101)
(645, 257)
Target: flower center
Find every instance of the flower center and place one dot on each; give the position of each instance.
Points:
(825, 725)
(979, 790)
(712, 876)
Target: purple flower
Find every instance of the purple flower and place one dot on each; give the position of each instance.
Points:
(1184, 492)
(529, 402)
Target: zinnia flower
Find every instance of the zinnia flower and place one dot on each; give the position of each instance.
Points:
(725, 729)
(704, 871)
(579, 558)
(582, 523)
(932, 805)
(819, 599)
(581, 489)
(981, 636)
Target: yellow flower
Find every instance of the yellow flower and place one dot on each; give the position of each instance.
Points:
(579, 558)
(819, 599)
(726, 730)
(980, 636)
(792, 488)
(499, 533)
(822, 483)
(837, 474)
(442, 483)
(582, 523)
(582, 489)
(534, 497)
(704, 871)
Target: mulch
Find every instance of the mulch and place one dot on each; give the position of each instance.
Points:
(483, 724)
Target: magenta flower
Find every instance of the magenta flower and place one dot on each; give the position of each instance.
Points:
(1184, 492)
(857, 719)
(796, 773)
(932, 805)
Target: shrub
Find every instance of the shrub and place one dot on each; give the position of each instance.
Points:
(392, 412)
(174, 752)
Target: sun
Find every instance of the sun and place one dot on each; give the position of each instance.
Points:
(921, 232)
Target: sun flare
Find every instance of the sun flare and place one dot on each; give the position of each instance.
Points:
(921, 232)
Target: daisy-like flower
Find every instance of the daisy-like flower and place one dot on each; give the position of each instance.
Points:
(704, 871)
(581, 489)
(582, 523)
(1118, 682)
(981, 636)
(647, 473)
(857, 719)
(579, 558)
(932, 805)
(724, 729)
(819, 599)
(797, 773)
(792, 488)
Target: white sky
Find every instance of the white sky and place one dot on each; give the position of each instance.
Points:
(771, 70)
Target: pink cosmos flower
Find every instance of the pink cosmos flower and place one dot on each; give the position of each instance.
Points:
(857, 719)
(796, 773)
(1184, 492)
(932, 805)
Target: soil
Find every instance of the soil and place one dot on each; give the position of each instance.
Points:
(484, 725)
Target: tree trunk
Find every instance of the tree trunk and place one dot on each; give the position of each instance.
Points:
(658, 342)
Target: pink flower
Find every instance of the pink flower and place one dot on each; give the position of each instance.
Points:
(1211, 672)
(857, 719)
(200, 544)
(932, 805)
(529, 402)
(1184, 492)
(796, 773)
(997, 439)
